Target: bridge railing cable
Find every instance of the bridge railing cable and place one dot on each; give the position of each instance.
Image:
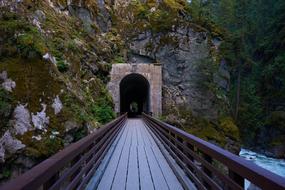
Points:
(72, 167)
(209, 166)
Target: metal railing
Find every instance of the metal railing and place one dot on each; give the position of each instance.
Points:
(72, 167)
(201, 161)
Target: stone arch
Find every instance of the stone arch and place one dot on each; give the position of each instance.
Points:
(151, 72)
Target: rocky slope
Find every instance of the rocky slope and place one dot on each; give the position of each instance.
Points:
(53, 65)
(55, 57)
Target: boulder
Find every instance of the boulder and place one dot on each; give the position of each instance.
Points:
(70, 125)
(8, 84)
(40, 119)
(57, 105)
(21, 120)
(83, 14)
(9, 145)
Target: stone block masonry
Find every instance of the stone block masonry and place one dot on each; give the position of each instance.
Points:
(151, 72)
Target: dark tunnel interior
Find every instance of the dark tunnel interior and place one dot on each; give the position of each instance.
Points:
(134, 95)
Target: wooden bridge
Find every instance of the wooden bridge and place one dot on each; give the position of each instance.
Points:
(146, 154)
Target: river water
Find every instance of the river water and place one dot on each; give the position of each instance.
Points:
(274, 165)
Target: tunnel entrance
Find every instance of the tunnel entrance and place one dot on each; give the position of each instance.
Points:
(134, 95)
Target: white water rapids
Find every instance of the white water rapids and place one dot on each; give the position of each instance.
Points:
(276, 166)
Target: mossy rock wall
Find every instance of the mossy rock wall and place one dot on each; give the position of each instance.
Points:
(49, 55)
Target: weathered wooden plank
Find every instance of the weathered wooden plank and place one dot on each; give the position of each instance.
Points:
(109, 174)
(146, 181)
(157, 175)
(158, 178)
(135, 127)
(120, 179)
(140, 140)
(168, 173)
(133, 168)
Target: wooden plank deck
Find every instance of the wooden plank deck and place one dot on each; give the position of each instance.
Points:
(134, 162)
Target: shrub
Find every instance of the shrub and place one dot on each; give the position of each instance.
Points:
(62, 66)
(71, 45)
(5, 109)
(80, 133)
(228, 126)
(119, 59)
(103, 113)
(18, 32)
(6, 172)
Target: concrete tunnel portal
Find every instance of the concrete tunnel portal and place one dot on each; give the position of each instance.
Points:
(139, 85)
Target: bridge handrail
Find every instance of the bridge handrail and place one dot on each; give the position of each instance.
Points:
(71, 167)
(188, 150)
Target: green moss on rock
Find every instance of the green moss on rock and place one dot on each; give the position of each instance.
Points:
(34, 80)
(20, 35)
(216, 132)
(209, 133)
(44, 148)
(5, 109)
(229, 127)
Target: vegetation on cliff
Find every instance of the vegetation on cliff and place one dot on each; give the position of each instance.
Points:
(254, 48)
(52, 81)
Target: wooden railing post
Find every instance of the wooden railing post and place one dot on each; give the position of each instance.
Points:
(169, 138)
(206, 170)
(187, 155)
(175, 143)
(191, 147)
(237, 178)
(208, 159)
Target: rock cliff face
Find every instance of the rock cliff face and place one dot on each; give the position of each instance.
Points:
(182, 53)
(194, 83)
(54, 65)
